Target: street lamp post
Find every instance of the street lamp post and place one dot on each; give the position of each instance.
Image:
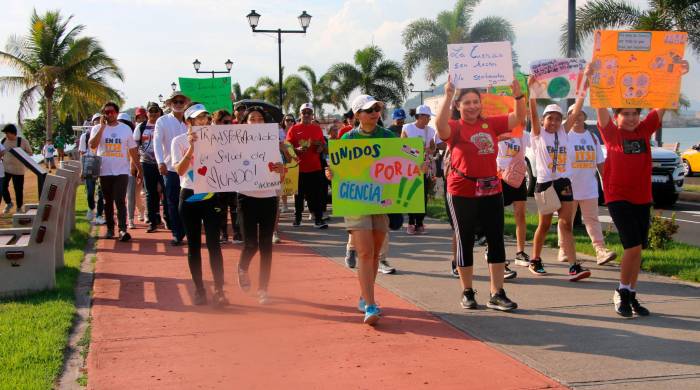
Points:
(197, 65)
(431, 90)
(173, 86)
(304, 20)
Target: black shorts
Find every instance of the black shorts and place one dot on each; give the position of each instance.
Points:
(562, 186)
(632, 222)
(512, 194)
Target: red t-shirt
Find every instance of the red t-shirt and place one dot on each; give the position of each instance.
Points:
(474, 148)
(627, 174)
(344, 130)
(310, 160)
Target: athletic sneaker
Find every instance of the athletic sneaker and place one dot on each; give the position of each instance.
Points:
(371, 314)
(219, 298)
(508, 273)
(411, 229)
(604, 255)
(522, 259)
(297, 222)
(200, 298)
(223, 239)
(561, 256)
(480, 240)
(499, 301)
(243, 280)
(100, 220)
(361, 304)
(385, 268)
(124, 236)
(637, 308)
(536, 267)
(152, 229)
(237, 239)
(320, 225)
(8, 208)
(109, 234)
(284, 209)
(351, 258)
(621, 301)
(263, 298)
(131, 224)
(576, 272)
(420, 229)
(90, 215)
(276, 238)
(468, 300)
(454, 271)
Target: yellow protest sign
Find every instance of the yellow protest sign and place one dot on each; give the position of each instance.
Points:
(637, 69)
(494, 105)
(290, 181)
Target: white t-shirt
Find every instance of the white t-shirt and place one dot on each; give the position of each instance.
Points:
(49, 151)
(585, 155)
(510, 148)
(428, 133)
(543, 147)
(114, 149)
(178, 149)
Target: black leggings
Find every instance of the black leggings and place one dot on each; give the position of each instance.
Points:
(17, 184)
(227, 203)
(469, 214)
(114, 191)
(258, 221)
(192, 215)
(310, 187)
(417, 219)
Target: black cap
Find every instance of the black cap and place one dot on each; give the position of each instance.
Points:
(9, 128)
(153, 105)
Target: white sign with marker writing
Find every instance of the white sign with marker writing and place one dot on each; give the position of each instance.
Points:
(484, 64)
(234, 158)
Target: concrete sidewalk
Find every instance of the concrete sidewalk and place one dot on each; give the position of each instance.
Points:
(565, 330)
(146, 334)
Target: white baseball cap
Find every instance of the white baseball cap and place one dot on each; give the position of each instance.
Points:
(364, 102)
(306, 106)
(124, 116)
(552, 108)
(424, 110)
(195, 111)
(571, 109)
(96, 116)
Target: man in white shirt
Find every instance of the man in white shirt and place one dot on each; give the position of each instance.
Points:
(115, 144)
(168, 127)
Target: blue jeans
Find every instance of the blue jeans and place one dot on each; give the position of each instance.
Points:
(90, 186)
(172, 192)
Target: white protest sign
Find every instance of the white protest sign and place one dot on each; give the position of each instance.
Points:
(234, 158)
(485, 64)
(557, 78)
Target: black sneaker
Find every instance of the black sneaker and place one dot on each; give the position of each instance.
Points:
(536, 267)
(109, 234)
(576, 272)
(124, 236)
(499, 301)
(522, 259)
(508, 273)
(200, 298)
(296, 223)
(468, 301)
(454, 271)
(621, 300)
(237, 238)
(320, 225)
(637, 308)
(176, 242)
(223, 239)
(219, 298)
(351, 258)
(152, 229)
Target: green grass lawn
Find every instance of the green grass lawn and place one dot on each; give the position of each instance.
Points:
(34, 329)
(679, 260)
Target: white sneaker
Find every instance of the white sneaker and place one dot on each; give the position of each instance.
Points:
(90, 215)
(131, 224)
(311, 217)
(100, 220)
(8, 208)
(284, 209)
(22, 210)
(604, 255)
(142, 216)
(275, 238)
(562, 256)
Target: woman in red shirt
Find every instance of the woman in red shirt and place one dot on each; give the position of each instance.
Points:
(473, 188)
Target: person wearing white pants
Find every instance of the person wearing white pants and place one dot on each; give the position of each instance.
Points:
(587, 158)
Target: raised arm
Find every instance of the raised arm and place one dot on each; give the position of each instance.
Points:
(518, 116)
(580, 98)
(95, 139)
(443, 115)
(534, 117)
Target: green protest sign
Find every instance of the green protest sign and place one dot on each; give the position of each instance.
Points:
(377, 176)
(214, 93)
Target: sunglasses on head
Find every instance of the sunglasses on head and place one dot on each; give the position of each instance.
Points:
(372, 109)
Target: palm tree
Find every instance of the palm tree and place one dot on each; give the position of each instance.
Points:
(372, 74)
(60, 67)
(662, 15)
(294, 92)
(426, 40)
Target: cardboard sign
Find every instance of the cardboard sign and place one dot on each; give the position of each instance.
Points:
(290, 182)
(558, 78)
(214, 93)
(475, 65)
(637, 69)
(235, 158)
(377, 176)
(494, 105)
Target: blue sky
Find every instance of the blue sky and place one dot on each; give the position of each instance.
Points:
(155, 41)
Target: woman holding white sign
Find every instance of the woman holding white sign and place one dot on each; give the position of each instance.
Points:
(196, 213)
(257, 211)
(474, 193)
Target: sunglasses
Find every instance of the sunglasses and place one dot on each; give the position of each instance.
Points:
(154, 111)
(289, 120)
(178, 101)
(372, 109)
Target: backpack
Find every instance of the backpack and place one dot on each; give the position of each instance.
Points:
(19, 141)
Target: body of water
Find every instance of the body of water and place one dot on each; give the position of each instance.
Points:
(687, 137)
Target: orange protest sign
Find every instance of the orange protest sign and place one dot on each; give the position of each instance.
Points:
(493, 105)
(637, 69)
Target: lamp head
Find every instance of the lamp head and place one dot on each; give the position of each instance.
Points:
(229, 64)
(196, 64)
(253, 19)
(304, 20)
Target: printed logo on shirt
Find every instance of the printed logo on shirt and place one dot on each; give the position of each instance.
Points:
(113, 147)
(512, 148)
(561, 158)
(483, 142)
(584, 156)
(634, 146)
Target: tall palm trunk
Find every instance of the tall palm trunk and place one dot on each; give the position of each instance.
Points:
(48, 95)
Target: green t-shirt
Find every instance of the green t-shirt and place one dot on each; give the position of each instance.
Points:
(379, 132)
(60, 142)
